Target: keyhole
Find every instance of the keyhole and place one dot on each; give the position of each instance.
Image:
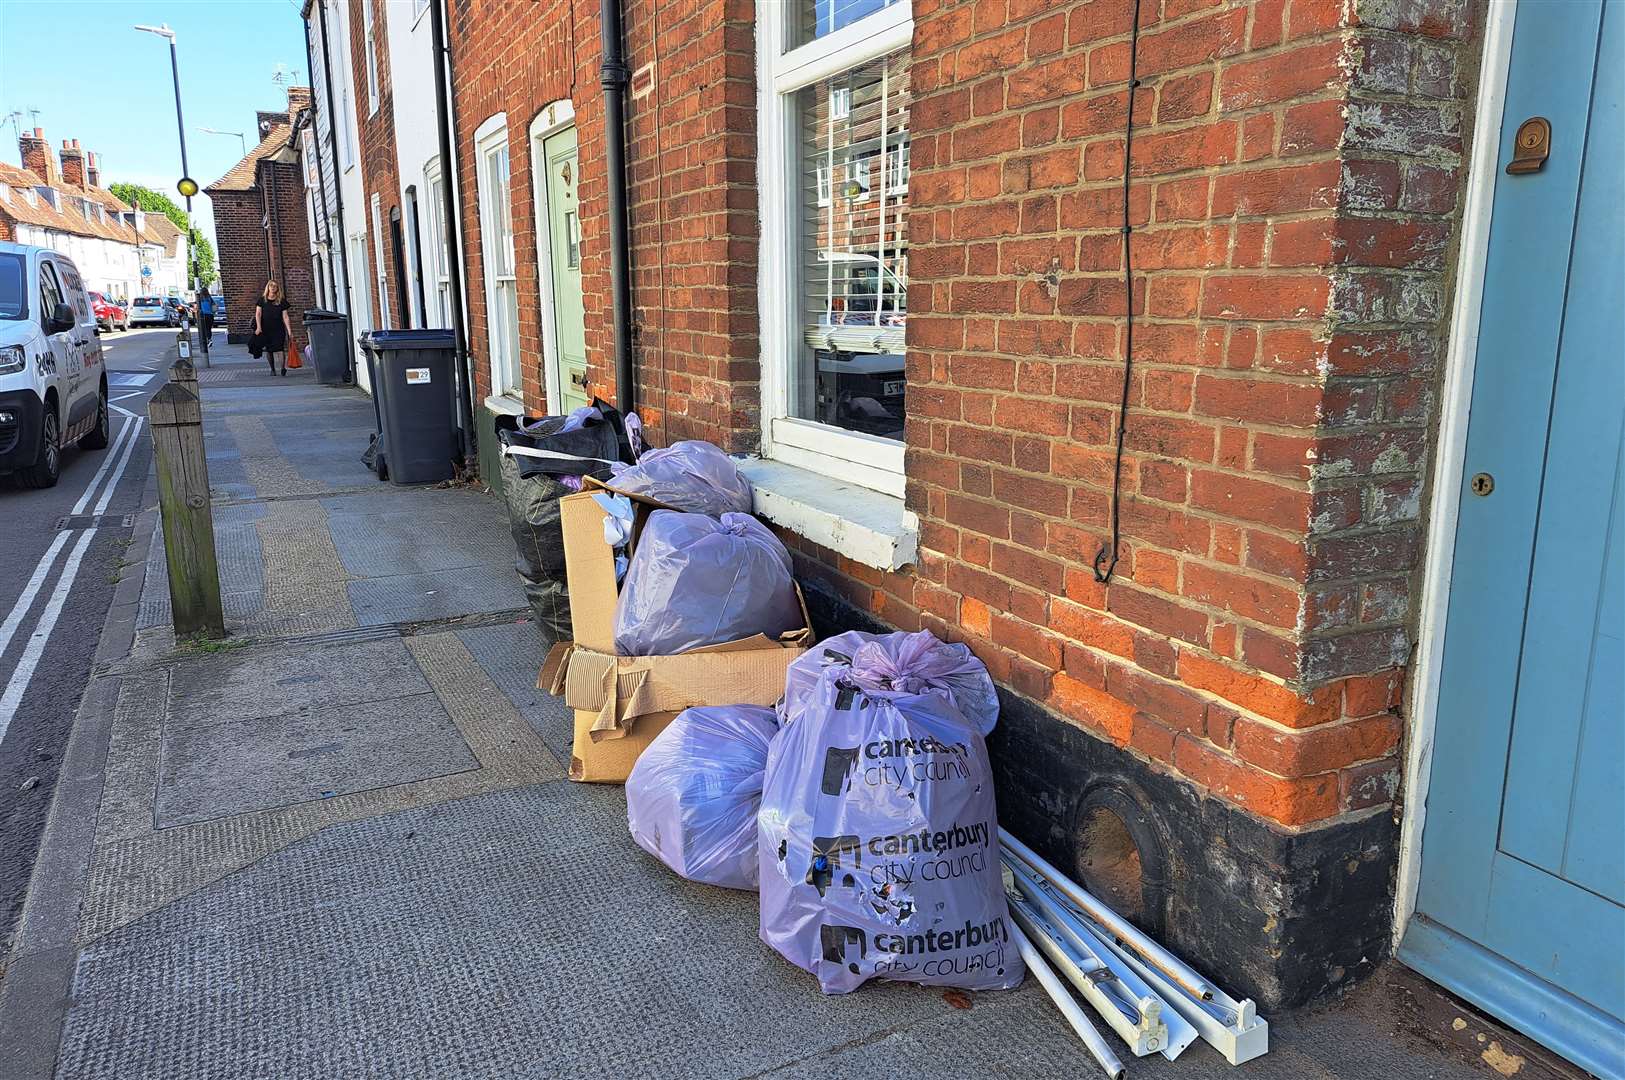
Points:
(1483, 484)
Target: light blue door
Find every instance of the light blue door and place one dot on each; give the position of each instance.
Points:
(1523, 851)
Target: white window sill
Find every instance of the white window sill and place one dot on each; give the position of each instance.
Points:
(866, 526)
(505, 405)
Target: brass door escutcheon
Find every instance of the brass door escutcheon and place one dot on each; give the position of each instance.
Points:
(1531, 146)
(1482, 484)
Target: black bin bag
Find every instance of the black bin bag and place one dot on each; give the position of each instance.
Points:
(536, 457)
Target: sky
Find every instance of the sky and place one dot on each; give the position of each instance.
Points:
(97, 80)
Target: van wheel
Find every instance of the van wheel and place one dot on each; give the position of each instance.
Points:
(97, 438)
(47, 467)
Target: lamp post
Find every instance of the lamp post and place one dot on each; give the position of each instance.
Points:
(187, 186)
(243, 142)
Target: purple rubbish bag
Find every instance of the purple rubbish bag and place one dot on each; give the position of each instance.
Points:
(697, 581)
(878, 840)
(917, 663)
(692, 797)
(691, 475)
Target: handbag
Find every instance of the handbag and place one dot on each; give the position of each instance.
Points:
(256, 345)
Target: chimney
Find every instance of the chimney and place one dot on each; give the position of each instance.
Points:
(73, 163)
(298, 100)
(93, 171)
(37, 156)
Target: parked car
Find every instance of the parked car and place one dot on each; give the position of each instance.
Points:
(149, 311)
(53, 386)
(110, 314)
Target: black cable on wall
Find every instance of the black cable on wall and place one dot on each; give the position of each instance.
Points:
(1106, 557)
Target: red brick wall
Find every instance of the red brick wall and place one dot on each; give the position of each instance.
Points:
(691, 174)
(380, 171)
(288, 243)
(239, 238)
(1294, 186)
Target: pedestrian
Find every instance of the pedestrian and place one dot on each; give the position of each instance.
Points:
(272, 325)
(205, 317)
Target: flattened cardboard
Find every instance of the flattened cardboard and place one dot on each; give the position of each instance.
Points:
(621, 690)
(622, 703)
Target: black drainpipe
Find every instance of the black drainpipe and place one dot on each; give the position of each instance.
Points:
(614, 75)
(454, 249)
(343, 260)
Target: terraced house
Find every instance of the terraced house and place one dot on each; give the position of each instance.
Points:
(1204, 364)
(120, 250)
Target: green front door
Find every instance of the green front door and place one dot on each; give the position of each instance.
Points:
(564, 243)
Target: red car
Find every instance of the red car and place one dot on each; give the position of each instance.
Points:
(110, 314)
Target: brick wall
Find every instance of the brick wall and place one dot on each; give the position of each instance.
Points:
(1294, 182)
(245, 267)
(282, 200)
(1293, 196)
(691, 175)
(375, 133)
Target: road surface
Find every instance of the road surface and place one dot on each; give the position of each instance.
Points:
(61, 552)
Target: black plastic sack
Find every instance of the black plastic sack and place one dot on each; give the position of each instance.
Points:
(535, 459)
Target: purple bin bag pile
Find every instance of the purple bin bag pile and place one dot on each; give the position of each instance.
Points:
(691, 475)
(692, 797)
(878, 835)
(696, 581)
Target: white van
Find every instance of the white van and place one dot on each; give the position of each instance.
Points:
(53, 386)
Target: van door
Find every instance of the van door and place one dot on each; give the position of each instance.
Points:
(74, 343)
(87, 346)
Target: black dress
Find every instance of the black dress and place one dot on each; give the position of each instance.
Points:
(272, 330)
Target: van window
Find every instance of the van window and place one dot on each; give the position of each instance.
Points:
(13, 297)
(50, 293)
(75, 289)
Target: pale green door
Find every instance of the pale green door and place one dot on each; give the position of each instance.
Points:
(564, 236)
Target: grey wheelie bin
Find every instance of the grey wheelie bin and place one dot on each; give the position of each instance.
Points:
(330, 344)
(413, 388)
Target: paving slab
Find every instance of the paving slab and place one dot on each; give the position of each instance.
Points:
(245, 685)
(446, 594)
(239, 766)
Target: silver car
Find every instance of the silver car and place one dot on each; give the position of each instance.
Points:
(148, 311)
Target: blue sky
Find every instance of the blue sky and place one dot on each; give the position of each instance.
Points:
(95, 79)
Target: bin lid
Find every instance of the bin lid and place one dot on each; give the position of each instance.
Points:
(323, 315)
(409, 339)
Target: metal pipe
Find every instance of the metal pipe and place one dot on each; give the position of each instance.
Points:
(448, 212)
(1064, 1001)
(613, 76)
(1158, 957)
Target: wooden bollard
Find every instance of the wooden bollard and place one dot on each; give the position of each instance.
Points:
(176, 417)
(184, 374)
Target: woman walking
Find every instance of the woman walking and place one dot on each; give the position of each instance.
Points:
(272, 325)
(205, 317)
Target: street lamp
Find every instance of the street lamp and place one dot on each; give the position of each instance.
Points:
(216, 131)
(187, 186)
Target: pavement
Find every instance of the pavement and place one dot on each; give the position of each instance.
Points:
(341, 844)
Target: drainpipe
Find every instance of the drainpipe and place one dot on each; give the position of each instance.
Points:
(613, 76)
(448, 212)
(343, 260)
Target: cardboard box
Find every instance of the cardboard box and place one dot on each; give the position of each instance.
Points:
(621, 703)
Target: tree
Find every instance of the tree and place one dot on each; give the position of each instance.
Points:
(148, 199)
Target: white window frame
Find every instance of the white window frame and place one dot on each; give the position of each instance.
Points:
(360, 306)
(369, 34)
(439, 248)
(850, 456)
(410, 213)
(507, 374)
(380, 251)
(550, 120)
(418, 8)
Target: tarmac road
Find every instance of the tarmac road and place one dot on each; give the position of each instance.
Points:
(56, 583)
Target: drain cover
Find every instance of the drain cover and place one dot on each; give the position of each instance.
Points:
(95, 521)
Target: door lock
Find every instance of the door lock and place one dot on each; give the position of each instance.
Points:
(1530, 146)
(1482, 483)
